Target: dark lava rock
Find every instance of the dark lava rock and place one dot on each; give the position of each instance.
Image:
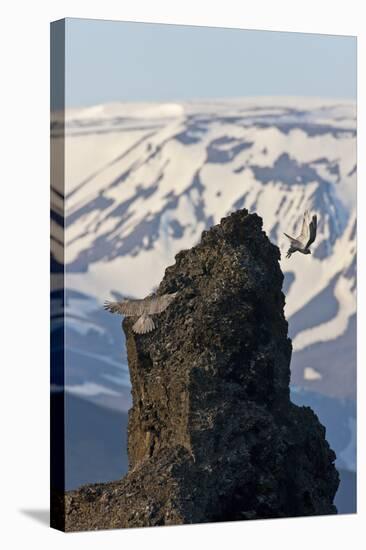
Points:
(212, 433)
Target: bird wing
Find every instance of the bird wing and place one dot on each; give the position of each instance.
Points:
(305, 231)
(148, 306)
(130, 308)
(294, 242)
(312, 231)
(157, 304)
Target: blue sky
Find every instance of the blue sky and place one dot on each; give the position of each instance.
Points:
(120, 61)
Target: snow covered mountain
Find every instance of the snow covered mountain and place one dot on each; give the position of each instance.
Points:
(144, 180)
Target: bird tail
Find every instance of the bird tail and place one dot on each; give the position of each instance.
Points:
(143, 324)
(289, 253)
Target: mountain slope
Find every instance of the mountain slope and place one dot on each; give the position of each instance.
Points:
(144, 180)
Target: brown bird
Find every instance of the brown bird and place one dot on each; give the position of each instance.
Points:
(143, 309)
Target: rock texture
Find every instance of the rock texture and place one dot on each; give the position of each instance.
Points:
(212, 434)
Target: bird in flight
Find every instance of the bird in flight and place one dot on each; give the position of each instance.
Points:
(306, 238)
(143, 309)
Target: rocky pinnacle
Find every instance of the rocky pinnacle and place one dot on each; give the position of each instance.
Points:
(212, 433)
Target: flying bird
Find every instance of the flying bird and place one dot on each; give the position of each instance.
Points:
(143, 309)
(306, 238)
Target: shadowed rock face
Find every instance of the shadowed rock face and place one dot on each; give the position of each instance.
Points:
(212, 434)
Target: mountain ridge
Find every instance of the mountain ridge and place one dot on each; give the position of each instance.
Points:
(144, 181)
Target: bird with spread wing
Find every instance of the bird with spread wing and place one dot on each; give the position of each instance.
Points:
(143, 309)
(306, 238)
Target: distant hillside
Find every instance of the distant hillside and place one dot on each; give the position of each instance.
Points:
(96, 443)
(144, 180)
(346, 496)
